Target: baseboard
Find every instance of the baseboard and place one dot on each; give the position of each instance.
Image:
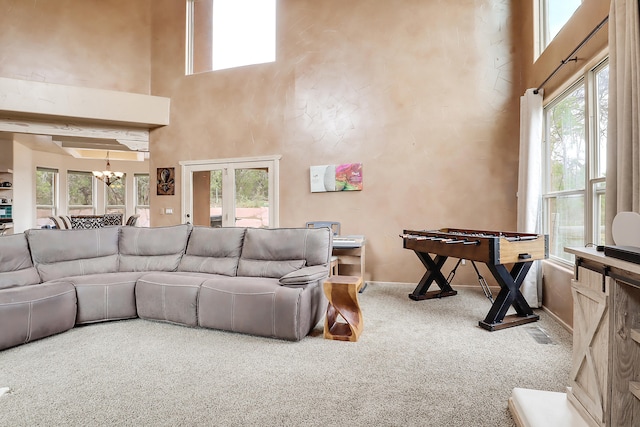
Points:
(557, 319)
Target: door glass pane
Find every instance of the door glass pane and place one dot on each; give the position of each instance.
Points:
(142, 199)
(566, 224)
(215, 198)
(567, 142)
(201, 207)
(252, 197)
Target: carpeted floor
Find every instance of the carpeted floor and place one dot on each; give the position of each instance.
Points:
(416, 364)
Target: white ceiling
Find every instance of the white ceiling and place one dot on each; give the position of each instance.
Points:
(78, 147)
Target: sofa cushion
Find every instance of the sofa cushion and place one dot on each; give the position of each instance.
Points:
(28, 313)
(169, 297)
(213, 250)
(64, 253)
(16, 268)
(103, 297)
(272, 269)
(152, 249)
(256, 306)
(277, 252)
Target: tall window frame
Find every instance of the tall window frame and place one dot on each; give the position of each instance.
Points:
(47, 194)
(583, 200)
(115, 197)
(84, 190)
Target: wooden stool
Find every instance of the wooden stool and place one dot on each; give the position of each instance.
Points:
(342, 293)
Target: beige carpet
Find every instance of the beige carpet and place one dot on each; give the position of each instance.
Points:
(417, 364)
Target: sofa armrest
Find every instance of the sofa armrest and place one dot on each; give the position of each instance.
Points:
(305, 275)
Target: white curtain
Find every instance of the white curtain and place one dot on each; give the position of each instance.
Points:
(623, 139)
(530, 185)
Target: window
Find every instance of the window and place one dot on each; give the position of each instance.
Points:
(116, 197)
(553, 15)
(46, 195)
(575, 163)
(229, 33)
(141, 185)
(80, 190)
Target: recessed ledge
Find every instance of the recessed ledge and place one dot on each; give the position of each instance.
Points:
(48, 101)
(71, 111)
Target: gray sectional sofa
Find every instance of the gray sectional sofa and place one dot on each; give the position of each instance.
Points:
(265, 282)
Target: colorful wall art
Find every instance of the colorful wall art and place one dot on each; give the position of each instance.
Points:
(343, 177)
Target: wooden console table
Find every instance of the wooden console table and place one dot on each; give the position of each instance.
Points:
(604, 382)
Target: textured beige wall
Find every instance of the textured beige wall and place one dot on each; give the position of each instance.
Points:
(425, 94)
(100, 44)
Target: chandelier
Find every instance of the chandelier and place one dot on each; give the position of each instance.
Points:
(106, 175)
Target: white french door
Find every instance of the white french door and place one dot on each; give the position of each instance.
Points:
(231, 192)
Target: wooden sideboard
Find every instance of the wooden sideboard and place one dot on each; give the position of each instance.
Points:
(604, 381)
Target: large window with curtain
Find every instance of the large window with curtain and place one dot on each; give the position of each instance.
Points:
(574, 163)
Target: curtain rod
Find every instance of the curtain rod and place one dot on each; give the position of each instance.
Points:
(569, 57)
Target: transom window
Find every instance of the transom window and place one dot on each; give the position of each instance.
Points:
(553, 15)
(229, 33)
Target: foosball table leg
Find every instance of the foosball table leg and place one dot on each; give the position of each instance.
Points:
(433, 274)
(509, 295)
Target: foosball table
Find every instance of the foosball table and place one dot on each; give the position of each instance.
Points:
(493, 248)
